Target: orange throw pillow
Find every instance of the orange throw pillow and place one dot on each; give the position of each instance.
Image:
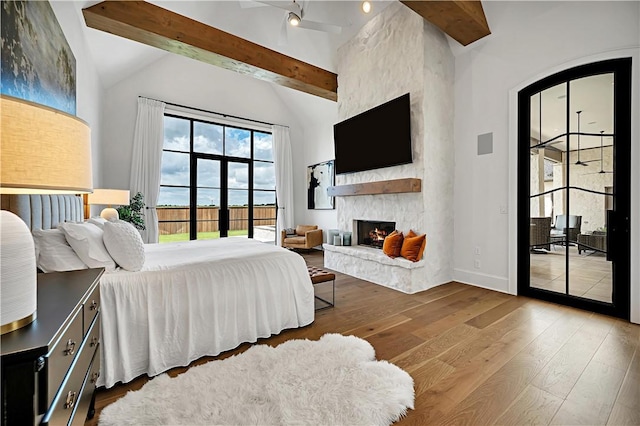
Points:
(393, 244)
(413, 246)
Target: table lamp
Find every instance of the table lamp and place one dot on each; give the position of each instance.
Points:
(42, 151)
(109, 197)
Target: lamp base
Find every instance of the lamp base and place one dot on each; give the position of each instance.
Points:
(110, 214)
(14, 325)
(18, 279)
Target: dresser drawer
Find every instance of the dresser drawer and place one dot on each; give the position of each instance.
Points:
(65, 402)
(88, 388)
(62, 354)
(91, 308)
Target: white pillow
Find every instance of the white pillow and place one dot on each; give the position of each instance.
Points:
(53, 252)
(98, 221)
(86, 241)
(125, 245)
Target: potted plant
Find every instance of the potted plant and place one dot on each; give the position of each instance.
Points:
(133, 213)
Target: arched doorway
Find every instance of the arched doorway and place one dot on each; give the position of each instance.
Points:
(574, 138)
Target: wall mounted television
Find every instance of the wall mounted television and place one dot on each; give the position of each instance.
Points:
(377, 138)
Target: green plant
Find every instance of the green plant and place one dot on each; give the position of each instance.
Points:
(133, 213)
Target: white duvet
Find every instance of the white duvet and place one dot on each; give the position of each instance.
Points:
(198, 298)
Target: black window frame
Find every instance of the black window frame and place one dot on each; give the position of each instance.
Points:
(224, 159)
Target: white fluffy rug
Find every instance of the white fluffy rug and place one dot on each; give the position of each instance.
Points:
(333, 381)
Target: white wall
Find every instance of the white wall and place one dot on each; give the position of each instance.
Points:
(318, 147)
(529, 40)
(89, 91)
(188, 82)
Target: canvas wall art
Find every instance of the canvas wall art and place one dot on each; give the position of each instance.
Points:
(319, 178)
(37, 62)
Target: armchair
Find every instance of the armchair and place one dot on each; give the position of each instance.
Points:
(568, 225)
(305, 237)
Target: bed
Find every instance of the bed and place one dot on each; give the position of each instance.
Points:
(190, 299)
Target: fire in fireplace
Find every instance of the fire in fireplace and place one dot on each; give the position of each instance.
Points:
(372, 233)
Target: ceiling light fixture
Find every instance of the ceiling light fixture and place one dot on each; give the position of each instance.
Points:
(366, 6)
(293, 19)
(579, 163)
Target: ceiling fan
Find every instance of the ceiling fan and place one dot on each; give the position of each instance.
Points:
(294, 16)
(579, 163)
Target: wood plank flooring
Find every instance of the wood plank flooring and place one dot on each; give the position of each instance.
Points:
(478, 356)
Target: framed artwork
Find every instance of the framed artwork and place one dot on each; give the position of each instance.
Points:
(319, 178)
(37, 62)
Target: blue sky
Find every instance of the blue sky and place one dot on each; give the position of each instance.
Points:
(208, 138)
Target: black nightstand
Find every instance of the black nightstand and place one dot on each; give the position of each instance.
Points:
(49, 367)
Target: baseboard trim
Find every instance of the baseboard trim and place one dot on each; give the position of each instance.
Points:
(478, 279)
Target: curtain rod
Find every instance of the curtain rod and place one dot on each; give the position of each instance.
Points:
(214, 112)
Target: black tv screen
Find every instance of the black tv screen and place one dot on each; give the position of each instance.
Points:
(379, 137)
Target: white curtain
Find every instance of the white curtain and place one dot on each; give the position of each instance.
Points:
(146, 161)
(284, 178)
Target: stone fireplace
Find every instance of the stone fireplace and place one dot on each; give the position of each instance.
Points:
(417, 60)
(371, 233)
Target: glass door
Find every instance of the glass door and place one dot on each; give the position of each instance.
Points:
(208, 199)
(574, 200)
(237, 199)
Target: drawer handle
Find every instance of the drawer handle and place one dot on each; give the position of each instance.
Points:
(93, 306)
(71, 347)
(94, 341)
(94, 377)
(71, 400)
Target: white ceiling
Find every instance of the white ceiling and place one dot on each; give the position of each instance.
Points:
(116, 58)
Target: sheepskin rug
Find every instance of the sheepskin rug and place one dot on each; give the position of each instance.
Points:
(333, 381)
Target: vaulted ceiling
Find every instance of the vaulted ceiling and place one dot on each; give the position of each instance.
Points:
(303, 59)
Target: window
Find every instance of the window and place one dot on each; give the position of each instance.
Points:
(216, 181)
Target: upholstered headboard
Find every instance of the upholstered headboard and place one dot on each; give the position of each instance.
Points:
(45, 211)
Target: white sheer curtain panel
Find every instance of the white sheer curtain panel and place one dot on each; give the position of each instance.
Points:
(284, 177)
(146, 161)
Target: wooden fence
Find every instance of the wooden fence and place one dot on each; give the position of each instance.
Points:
(175, 220)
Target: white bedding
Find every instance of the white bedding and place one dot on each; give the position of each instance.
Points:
(198, 298)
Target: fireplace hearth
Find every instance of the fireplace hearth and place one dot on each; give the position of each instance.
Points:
(371, 233)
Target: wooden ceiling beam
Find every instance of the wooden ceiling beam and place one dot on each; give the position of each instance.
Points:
(161, 28)
(462, 20)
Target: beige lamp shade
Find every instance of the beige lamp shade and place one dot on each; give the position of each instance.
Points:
(109, 197)
(43, 150)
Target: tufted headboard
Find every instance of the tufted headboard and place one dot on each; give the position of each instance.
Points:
(45, 211)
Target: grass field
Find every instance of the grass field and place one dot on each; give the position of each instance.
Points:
(172, 238)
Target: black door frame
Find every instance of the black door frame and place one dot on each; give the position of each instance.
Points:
(618, 231)
(223, 216)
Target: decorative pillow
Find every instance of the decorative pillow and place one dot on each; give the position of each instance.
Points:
(53, 253)
(125, 245)
(413, 246)
(289, 231)
(98, 221)
(393, 244)
(302, 229)
(86, 240)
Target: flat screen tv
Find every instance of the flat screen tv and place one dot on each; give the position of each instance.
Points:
(379, 137)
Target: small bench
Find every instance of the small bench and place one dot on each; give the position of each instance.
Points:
(318, 276)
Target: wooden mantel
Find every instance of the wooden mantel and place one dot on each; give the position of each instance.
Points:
(395, 186)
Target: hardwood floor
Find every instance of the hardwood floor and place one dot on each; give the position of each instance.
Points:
(481, 357)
